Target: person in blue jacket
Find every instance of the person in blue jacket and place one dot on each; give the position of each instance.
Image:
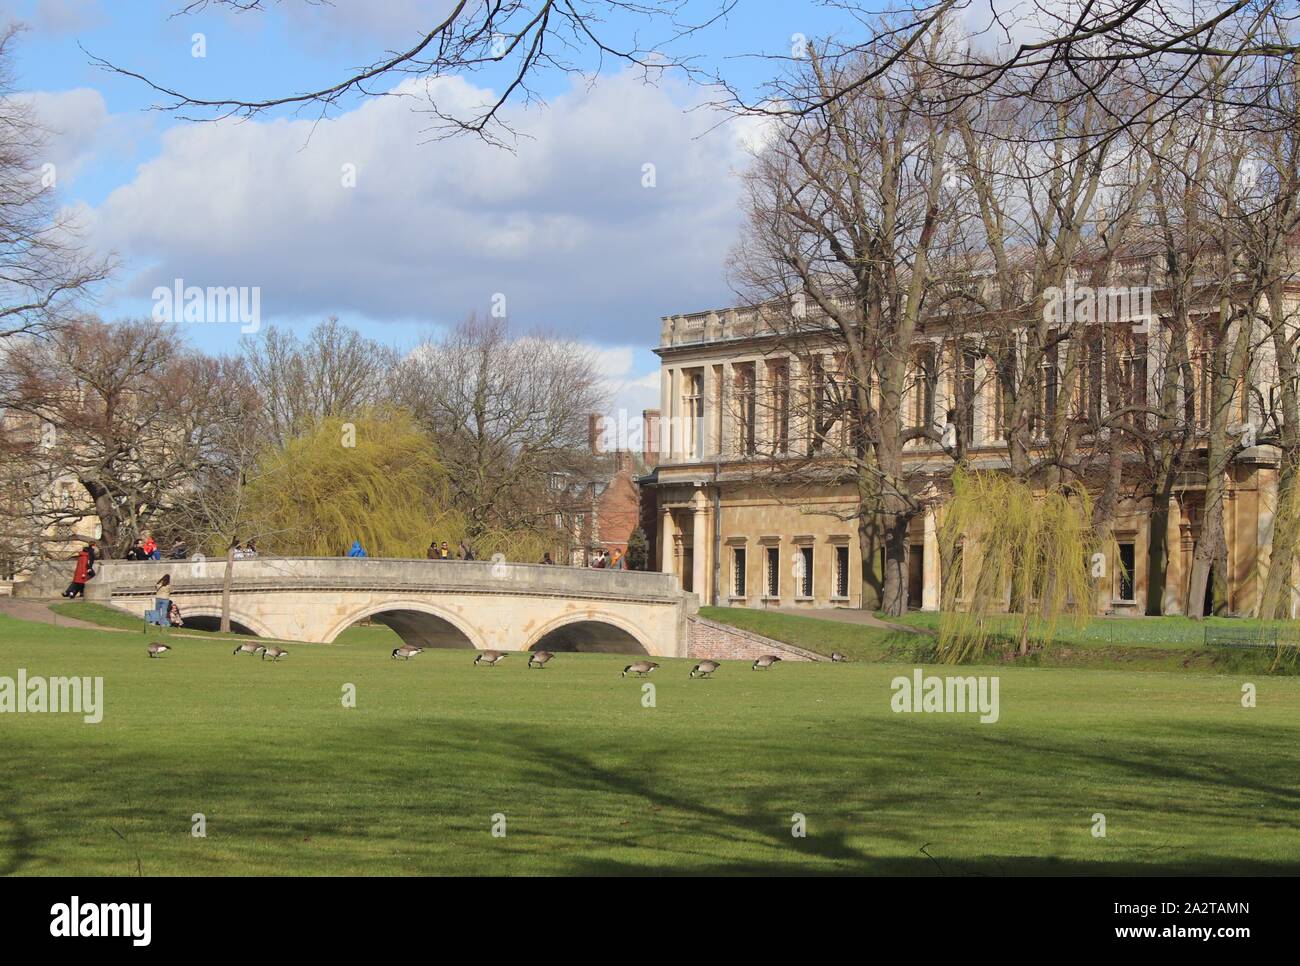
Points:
(357, 550)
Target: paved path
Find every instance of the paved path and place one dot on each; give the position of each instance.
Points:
(846, 616)
(35, 609)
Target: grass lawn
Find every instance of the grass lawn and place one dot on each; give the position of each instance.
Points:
(822, 636)
(1134, 644)
(590, 781)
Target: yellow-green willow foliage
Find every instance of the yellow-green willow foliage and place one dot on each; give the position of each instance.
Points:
(1024, 554)
(375, 478)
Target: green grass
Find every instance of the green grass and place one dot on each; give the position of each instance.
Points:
(1178, 633)
(858, 642)
(1130, 644)
(592, 782)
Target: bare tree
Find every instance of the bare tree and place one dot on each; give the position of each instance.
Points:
(119, 413)
(43, 271)
(846, 210)
(333, 372)
(525, 37)
(506, 413)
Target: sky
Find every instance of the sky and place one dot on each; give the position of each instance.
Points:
(360, 214)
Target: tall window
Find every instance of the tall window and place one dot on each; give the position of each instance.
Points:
(779, 374)
(773, 572)
(1091, 377)
(841, 571)
(1048, 376)
(694, 409)
(805, 571)
(1204, 376)
(1127, 567)
(745, 408)
(969, 362)
(738, 572)
(820, 405)
(923, 389)
(1135, 376)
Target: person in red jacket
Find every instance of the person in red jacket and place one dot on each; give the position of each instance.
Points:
(79, 576)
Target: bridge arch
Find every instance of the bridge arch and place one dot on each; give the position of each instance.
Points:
(415, 622)
(209, 619)
(594, 632)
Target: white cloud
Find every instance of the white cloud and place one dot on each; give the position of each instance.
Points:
(562, 227)
(74, 127)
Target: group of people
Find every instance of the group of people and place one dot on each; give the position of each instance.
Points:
(146, 548)
(602, 559)
(443, 552)
(244, 551)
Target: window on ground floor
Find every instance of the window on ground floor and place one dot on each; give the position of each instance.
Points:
(1126, 570)
(805, 571)
(773, 572)
(738, 572)
(841, 571)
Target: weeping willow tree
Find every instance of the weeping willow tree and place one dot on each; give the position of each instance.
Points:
(1012, 558)
(375, 478)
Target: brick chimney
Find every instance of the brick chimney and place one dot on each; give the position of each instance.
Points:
(650, 437)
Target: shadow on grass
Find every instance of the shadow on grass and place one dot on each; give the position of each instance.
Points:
(614, 800)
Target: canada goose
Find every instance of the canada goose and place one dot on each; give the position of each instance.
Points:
(539, 659)
(274, 653)
(156, 650)
(705, 669)
(406, 652)
(248, 648)
(639, 668)
(837, 657)
(490, 658)
(765, 661)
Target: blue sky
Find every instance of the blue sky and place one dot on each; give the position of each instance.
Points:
(563, 227)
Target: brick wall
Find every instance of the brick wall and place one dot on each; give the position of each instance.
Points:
(722, 642)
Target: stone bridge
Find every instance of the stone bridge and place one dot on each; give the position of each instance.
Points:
(432, 603)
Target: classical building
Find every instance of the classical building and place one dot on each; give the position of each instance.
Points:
(739, 532)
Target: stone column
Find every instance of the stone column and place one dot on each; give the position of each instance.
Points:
(700, 547)
(727, 417)
(1173, 603)
(667, 536)
(930, 582)
(708, 388)
(1267, 508)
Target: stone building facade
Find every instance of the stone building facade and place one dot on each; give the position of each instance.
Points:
(737, 533)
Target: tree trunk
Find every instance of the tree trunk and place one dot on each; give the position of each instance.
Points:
(894, 597)
(1207, 547)
(872, 584)
(1157, 556)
